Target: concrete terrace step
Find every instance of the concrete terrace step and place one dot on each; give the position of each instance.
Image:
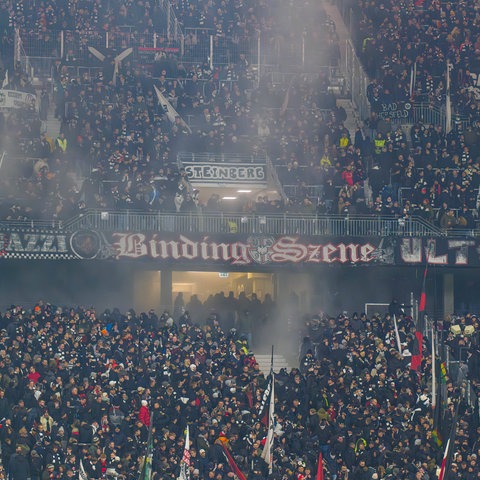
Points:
(52, 126)
(353, 120)
(279, 362)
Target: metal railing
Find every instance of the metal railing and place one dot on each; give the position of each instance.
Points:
(20, 54)
(357, 81)
(434, 114)
(333, 73)
(220, 158)
(237, 223)
(174, 27)
(33, 225)
(263, 52)
(457, 369)
(302, 191)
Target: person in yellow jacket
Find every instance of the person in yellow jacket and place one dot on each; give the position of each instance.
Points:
(344, 141)
(61, 143)
(379, 143)
(325, 160)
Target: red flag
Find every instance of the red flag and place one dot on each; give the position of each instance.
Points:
(423, 296)
(444, 462)
(320, 467)
(249, 395)
(232, 464)
(423, 300)
(417, 354)
(447, 455)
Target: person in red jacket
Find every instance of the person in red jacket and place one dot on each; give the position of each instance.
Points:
(33, 375)
(144, 414)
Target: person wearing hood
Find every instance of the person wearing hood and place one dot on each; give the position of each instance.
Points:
(144, 414)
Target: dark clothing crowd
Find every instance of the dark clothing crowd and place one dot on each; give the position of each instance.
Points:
(117, 135)
(83, 389)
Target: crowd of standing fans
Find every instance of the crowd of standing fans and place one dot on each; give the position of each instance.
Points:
(78, 385)
(116, 133)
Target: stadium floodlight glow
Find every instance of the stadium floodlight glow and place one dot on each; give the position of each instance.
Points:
(229, 198)
(244, 191)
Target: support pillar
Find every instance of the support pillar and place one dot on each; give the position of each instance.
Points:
(146, 291)
(166, 290)
(448, 294)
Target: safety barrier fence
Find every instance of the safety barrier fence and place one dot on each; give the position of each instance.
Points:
(252, 223)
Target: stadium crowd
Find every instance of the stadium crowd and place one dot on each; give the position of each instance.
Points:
(117, 134)
(81, 385)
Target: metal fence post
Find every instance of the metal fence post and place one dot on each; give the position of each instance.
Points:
(211, 52)
(169, 26)
(258, 58)
(303, 49)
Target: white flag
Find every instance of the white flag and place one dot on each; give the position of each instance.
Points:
(397, 335)
(434, 373)
(267, 453)
(172, 114)
(185, 463)
(5, 80)
(82, 475)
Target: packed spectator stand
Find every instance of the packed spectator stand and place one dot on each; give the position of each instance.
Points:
(118, 137)
(81, 385)
(128, 142)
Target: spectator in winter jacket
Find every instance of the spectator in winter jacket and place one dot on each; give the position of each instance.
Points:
(144, 414)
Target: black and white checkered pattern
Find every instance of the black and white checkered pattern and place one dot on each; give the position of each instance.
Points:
(37, 256)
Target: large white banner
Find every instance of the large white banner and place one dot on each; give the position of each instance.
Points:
(14, 99)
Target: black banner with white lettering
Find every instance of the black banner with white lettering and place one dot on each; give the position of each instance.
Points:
(239, 250)
(395, 110)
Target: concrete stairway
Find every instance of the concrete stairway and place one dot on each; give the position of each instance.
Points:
(353, 121)
(279, 362)
(52, 125)
(341, 29)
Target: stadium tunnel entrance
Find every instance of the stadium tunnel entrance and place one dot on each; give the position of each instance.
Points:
(158, 289)
(105, 284)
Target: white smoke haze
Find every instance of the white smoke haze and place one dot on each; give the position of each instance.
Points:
(301, 39)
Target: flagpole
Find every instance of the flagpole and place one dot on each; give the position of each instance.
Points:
(411, 81)
(414, 78)
(434, 375)
(448, 102)
(146, 472)
(445, 467)
(271, 360)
